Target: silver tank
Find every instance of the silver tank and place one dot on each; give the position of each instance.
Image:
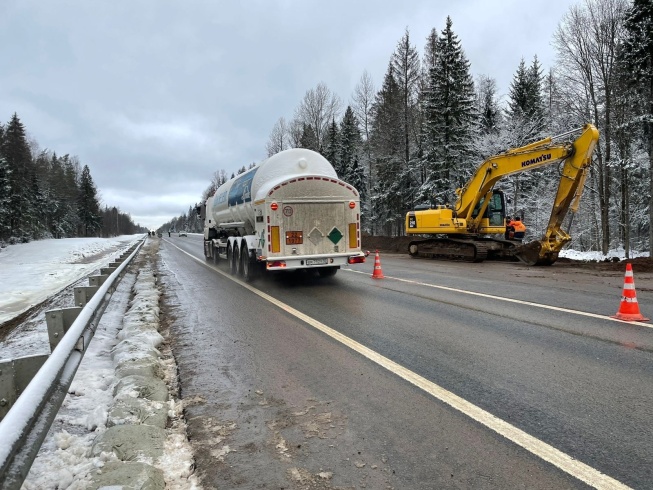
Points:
(233, 201)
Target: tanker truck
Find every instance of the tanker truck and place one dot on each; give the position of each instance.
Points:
(289, 212)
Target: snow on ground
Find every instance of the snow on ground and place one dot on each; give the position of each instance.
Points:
(619, 253)
(64, 461)
(30, 273)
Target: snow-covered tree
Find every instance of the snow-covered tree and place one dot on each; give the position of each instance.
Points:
(331, 146)
(88, 206)
(349, 152)
(638, 61)
(386, 140)
(449, 115)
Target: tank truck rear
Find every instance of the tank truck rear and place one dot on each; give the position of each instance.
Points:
(289, 212)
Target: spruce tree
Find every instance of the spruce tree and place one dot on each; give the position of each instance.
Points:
(16, 152)
(331, 144)
(308, 139)
(88, 206)
(350, 152)
(449, 115)
(386, 140)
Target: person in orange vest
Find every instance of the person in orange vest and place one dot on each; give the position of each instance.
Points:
(519, 228)
(510, 230)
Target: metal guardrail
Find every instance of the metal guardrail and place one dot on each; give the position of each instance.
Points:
(31, 403)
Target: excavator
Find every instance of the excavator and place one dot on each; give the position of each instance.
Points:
(463, 231)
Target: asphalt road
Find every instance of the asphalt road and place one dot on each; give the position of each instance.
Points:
(358, 392)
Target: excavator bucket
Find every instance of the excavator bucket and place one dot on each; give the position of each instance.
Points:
(534, 253)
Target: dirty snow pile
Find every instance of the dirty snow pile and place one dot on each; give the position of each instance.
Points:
(67, 459)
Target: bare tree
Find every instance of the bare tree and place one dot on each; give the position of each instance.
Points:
(279, 137)
(318, 108)
(362, 101)
(586, 42)
(295, 131)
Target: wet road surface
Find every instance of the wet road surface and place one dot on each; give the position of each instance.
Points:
(272, 402)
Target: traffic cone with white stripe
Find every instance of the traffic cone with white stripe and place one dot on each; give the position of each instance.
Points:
(378, 273)
(629, 308)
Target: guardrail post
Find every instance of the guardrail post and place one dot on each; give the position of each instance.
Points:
(83, 294)
(107, 270)
(15, 375)
(7, 389)
(58, 322)
(97, 280)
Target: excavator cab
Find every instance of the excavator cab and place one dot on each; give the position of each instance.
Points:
(494, 214)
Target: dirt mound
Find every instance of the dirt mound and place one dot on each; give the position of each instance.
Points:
(400, 245)
(386, 244)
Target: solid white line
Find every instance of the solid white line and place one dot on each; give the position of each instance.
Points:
(509, 300)
(539, 448)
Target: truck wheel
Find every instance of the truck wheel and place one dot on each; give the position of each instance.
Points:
(247, 267)
(234, 260)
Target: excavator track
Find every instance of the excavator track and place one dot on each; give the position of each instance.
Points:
(449, 248)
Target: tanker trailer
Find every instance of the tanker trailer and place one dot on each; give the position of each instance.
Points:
(289, 212)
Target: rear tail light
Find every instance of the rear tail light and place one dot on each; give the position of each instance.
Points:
(357, 259)
(276, 263)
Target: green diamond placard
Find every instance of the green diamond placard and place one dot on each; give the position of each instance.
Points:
(335, 235)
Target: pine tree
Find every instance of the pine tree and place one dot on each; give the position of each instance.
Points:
(488, 105)
(331, 144)
(405, 62)
(349, 153)
(518, 104)
(308, 139)
(449, 117)
(386, 140)
(16, 152)
(87, 204)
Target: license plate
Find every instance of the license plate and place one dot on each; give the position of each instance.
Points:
(317, 261)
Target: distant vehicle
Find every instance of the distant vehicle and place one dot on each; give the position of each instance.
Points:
(182, 233)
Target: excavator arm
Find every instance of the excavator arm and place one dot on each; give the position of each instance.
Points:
(570, 188)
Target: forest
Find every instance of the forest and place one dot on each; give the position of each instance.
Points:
(43, 195)
(420, 135)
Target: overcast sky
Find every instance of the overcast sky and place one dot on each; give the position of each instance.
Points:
(156, 95)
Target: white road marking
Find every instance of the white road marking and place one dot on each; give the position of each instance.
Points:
(545, 451)
(509, 300)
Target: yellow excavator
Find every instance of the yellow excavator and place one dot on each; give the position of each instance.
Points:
(464, 230)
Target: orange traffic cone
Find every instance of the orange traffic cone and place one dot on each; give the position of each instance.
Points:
(629, 308)
(378, 273)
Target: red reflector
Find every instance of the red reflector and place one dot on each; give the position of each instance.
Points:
(276, 263)
(356, 260)
(352, 204)
(274, 206)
